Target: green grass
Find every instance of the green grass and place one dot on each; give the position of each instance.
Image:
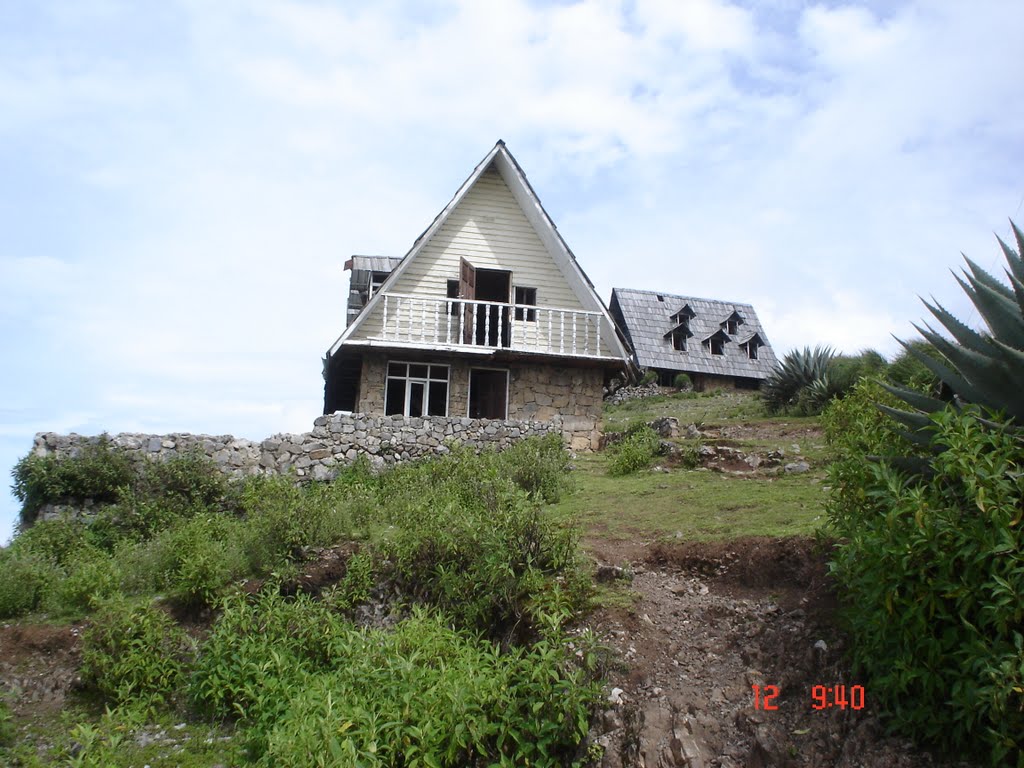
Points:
(688, 407)
(696, 504)
(699, 504)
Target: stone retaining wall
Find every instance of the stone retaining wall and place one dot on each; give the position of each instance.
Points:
(334, 440)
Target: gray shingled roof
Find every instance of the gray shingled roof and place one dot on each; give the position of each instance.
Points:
(645, 317)
(374, 263)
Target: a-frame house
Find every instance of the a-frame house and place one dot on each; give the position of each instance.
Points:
(488, 315)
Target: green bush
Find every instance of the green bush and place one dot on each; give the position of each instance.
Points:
(540, 466)
(635, 452)
(97, 472)
(932, 582)
(282, 518)
(91, 578)
(313, 690)
(25, 581)
(650, 376)
(135, 655)
(58, 541)
(682, 381)
(908, 372)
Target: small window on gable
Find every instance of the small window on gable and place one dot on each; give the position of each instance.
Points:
(717, 345)
(525, 297)
(752, 349)
(730, 326)
(377, 280)
(453, 293)
(679, 339)
(660, 297)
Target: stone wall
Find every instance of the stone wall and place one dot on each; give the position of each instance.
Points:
(334, 440)
(570, 395)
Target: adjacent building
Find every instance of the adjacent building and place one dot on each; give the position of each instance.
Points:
(716, 343)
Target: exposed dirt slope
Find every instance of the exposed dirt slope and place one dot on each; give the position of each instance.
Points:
(713, 620)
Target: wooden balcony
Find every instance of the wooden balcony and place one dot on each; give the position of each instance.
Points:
(486, 326)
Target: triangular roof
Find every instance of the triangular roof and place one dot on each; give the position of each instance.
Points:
(512, 174)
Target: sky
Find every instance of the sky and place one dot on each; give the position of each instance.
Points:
(181, 181)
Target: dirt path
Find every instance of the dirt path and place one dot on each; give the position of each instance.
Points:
(712, 620)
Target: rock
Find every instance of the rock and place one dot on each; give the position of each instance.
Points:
(617, 697)
(606, 573)
(797, 467)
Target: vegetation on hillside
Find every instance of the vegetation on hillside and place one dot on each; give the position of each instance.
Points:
(929, 562)
(475, 667)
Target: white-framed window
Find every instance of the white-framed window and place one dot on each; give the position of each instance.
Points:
(679, 339)
(416, 389)
(717, 345)
(528, 297)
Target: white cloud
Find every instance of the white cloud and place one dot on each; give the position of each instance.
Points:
(181, 188)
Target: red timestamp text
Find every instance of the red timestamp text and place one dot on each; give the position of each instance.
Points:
(822, 697)
(838, 696)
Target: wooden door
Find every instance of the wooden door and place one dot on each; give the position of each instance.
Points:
(467, 290)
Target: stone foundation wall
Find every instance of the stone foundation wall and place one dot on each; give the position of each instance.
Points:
(570, 396)
(335, 440)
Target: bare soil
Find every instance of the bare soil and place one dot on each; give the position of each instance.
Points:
(710, 622)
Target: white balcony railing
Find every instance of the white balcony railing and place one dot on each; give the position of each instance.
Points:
(420, 320)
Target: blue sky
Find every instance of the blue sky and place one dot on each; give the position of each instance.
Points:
(181, 181)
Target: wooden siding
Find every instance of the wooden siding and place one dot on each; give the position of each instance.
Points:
(490, 230)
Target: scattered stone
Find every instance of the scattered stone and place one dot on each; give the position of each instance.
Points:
(797, 467)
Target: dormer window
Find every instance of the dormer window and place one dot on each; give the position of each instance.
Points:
(732, 323)
(716, 342)
(680, 333)
(751, 345)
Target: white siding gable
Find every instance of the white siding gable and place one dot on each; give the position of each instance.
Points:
(488, 229)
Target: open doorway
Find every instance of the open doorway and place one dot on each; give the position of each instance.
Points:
(486, 326)
(488, 393)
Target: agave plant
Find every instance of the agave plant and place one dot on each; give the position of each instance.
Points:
(985, 368)
(795, 375)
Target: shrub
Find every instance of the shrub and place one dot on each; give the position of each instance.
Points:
(682, 381)
(932, 589)
(908, 372)
(260, 654)
(91, 578)
(192, 561)
(538, 465)
(135, 655)
(25, 580)
(58, 541)
(312, 690)
(800, 382)
(97, 472)
(650, 376)
(634, 452)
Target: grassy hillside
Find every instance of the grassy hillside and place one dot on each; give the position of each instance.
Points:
(722, 496)
(419, 617)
